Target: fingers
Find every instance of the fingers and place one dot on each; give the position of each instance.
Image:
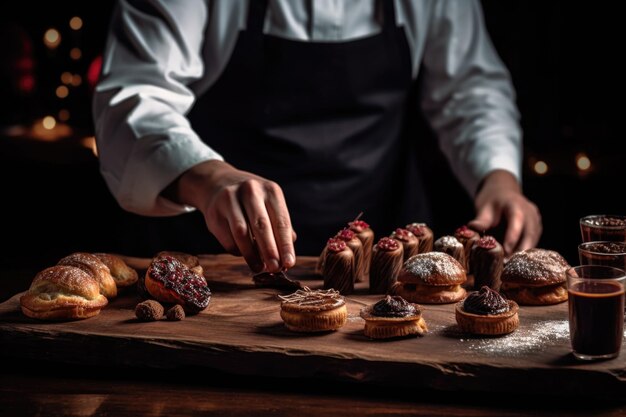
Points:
(523, 226)
(515, 227)
(269, 221)
(486, 218)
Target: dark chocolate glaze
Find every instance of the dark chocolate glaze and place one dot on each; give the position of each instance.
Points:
(393, 306)
(486, 301)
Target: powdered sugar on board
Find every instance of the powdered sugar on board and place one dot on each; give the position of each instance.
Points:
(522, 341)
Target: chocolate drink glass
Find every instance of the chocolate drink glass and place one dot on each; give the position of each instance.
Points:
(603, 253)
(596, 311)
(598, 227)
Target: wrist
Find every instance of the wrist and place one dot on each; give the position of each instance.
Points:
(500, 178)
(192, 186)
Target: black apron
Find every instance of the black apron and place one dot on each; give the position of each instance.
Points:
(325, 120)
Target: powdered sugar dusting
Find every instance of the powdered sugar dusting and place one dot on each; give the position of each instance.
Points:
(535, 265)
(523, 340)
(430, 264)
(447, 242)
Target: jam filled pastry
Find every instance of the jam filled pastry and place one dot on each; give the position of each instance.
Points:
(387, 258)
(168, 280)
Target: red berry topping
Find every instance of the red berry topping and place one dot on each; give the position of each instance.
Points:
(418, 229)
(335, 245)
(345, 234)
(464, 231)
(401, 234)
(358, 225)
(487, 242)
(387, 244)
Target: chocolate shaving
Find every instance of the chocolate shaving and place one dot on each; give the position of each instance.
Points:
(278, 280)
(306, 296)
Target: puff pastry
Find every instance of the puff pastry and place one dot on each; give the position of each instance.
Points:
(123, 275)
(95, 268)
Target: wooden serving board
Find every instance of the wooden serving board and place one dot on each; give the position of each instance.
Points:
(241, 332)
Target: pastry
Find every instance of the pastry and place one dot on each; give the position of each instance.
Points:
(451, 246)
(366, 236)
(95, 268)
(191, 261)
(387, 259)
(424, 234)
(168, 280)
(63, 292)
(123, 275)
(354, 243)
(467, 237)
(487, 257)
(338, 266)
(486, 312)
(309, 310)
(393, 317)
(278, 280)
(431, 278)
(535, 277)
(410, 243)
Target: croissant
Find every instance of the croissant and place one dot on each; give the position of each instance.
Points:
(123, 275)
(95, 268)
(62, 292)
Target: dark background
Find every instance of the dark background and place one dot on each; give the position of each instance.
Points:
(563, 62)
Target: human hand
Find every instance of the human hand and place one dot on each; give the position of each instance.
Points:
(247, 214)
(501, 197)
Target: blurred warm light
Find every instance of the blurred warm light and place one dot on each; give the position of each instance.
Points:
(582, 162)
(75, 53)
(76, 23)
(540, 167)
(48, 122)
(66, 77)
(64, 115)
(89, 142)
(76, 80)
(47, 129)
(62, 91)
(52, 38)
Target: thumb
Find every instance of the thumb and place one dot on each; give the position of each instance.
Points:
(485, 219)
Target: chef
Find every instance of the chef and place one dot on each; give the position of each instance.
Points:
(278, 121)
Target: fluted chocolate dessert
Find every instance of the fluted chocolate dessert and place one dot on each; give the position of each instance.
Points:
(366, 236)
(451, 246)
(354, 243)
(338, 267)
(487, 257)
(467, 237)
(409, 242)
(387, 259)
(424, 234)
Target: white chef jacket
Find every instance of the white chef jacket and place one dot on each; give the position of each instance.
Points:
(162, 54)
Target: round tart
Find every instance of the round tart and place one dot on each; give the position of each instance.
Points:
(486, 312)
(393, 317)
(309, 310)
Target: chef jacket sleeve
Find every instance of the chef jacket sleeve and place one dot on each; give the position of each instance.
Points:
(467, 95)
(144, 140)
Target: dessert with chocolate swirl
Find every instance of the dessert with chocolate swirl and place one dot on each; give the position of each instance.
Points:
(393, 317)
(355, 244)
(486, 312)
(386, 265)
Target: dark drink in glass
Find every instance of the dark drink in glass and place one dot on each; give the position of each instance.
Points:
(603, 253)
(599, 227)
(596, 311)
